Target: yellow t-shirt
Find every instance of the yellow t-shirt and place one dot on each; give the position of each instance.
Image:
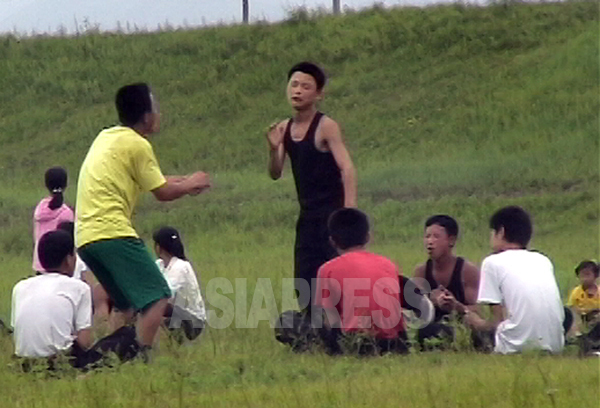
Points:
(580, 300)
(118, 167)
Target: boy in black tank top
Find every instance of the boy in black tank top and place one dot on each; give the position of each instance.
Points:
(451, 281)
(322, 168)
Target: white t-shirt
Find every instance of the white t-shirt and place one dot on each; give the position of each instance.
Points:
(80, 268)
(184, 286)
(524, 283)
(47, 312)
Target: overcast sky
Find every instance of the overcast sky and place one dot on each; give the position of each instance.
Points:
(46, 16)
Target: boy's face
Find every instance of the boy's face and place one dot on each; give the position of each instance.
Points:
(587, 277)
(437, 241)
(302, 91)
(152, 119)
(497, 239)
(70, 262)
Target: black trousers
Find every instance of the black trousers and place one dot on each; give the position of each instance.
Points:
(122, 342)
(301, 333)
(481, 340)
(179, 320)
(312, 249)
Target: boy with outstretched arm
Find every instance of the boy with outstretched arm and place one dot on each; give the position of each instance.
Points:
(118, 167)
(323, 172)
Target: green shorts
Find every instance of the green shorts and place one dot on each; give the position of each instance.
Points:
(126, 270)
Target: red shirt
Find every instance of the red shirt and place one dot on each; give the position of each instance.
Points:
(363, 287)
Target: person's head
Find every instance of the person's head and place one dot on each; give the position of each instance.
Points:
(56, 252)
(348, 228)
(511, 226)
(138, 108)
(305, 85)
(168, 244)
(441, 233)
(587, 272)
(67, 226)
(56, 183)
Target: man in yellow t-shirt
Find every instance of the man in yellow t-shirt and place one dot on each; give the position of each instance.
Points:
(119, 166)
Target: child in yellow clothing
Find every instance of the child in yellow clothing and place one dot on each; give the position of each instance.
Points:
(584, 300)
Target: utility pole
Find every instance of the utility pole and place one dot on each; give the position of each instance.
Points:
(245, 11)
(336, 6)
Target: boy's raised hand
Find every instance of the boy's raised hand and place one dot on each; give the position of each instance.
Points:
(275, 135)
(198, 183)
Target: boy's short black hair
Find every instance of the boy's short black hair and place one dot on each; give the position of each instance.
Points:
(67, 226)
(310, 69)
(348, 227)
(516, 223)
(53, 248)
(444, 221)
(133, 102)
(588, 265)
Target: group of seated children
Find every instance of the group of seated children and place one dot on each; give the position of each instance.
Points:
(360, 297)
(52, 312)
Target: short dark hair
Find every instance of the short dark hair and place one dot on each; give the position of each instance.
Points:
(133, 102)
(348, 227)
(67, 226)
(444, 221)
(53, 248)
(55, 179)
(310, 69)
(588, 265)
(516, 223)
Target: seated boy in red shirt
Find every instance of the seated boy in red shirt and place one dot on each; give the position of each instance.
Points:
(359, 291)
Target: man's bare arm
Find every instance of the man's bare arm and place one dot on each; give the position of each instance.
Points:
(333, 136)
(478, 323)
(84, 338)
(470, 282)
(179, 186)
(275, 135)
(419, 278)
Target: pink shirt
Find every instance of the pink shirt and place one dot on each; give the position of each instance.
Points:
(45, 220)
(364, 290)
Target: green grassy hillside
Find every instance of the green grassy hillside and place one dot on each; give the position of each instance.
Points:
(450, 109)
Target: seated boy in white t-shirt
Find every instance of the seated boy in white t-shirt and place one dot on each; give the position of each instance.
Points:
(520, 287)
(51, 312)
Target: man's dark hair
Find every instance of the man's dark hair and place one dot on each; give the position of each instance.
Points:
(516, 223)
(132, 102)
(67, 226)
(588, 265)
(310, 69)
(444, 221)
(53, 248)
(348, 227)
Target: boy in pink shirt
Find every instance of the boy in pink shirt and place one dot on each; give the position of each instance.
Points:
(50, 211)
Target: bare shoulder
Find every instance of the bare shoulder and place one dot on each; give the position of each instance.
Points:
(470, 271)
(329, 126)
(420, 270)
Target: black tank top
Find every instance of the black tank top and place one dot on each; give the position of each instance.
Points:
(455, 287)
(317, 176)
